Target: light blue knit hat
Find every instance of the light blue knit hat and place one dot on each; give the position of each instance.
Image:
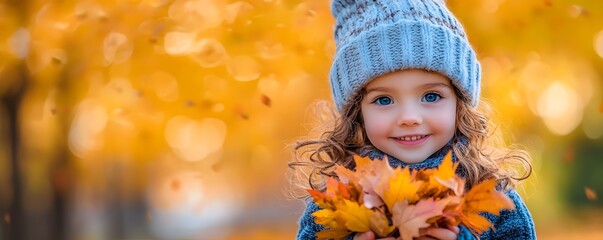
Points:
(375, 37)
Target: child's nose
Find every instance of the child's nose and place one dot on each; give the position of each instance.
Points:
(408, 116)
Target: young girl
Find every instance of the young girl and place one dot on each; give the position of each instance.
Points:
(406, 84)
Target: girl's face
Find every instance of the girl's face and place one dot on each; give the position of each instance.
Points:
(409, 114)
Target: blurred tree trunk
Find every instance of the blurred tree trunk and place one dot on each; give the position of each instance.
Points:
(12, 100)
(61, 171)
(18, 79)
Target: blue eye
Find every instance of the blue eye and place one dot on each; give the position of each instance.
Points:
(383, 101)
(431, 97)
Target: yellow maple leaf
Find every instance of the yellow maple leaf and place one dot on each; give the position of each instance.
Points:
(326, 217)
(400, 187)
(355, 216)
(334, 233)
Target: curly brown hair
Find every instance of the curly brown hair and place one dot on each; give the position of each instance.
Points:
(485, 156)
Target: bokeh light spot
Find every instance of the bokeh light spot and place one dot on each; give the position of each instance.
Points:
(117, 48)
(268, 85)
(177, 43)
(560, 108)
(233, 10)
(208, 53)
(243, 68)
(196, 14)
(86, 132)
(193, 140)
(577, 11)
(599, 43)
(593, 117)
(19, 43)
(165, 86)
(270, 50)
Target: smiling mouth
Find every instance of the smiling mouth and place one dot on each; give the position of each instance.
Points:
(411, 138)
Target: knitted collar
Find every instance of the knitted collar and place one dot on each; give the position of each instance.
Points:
(432, 161)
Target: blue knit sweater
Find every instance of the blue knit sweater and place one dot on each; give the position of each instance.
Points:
(510, 224)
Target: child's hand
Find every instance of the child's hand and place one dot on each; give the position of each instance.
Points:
(369, 236)
(449, 233)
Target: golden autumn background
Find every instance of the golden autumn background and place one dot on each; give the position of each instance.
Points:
(173, 119)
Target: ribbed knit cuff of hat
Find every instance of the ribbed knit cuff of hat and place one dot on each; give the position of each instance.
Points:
(403, 45)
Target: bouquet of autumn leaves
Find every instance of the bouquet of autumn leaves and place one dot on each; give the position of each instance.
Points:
(400, 202)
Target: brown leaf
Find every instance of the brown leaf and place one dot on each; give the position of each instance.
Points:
(569, 156)
(189, 103)
(548, 3)
(7, 218)
(590, 194)
(266, 100)
(379, 224)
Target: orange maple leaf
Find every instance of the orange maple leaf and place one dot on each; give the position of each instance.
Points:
(447, 169)
(321, 199)
(483, 198)
(375, 197)
(332, 187)
(345, 175)
(369, 174)
(410, 218)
